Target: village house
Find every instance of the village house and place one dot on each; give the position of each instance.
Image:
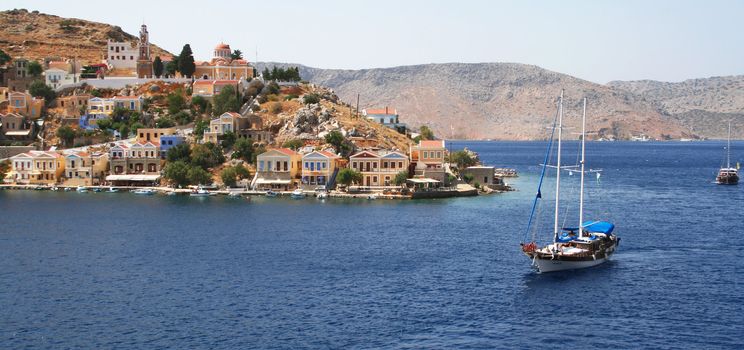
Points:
(485, 176)
(4, 94)
(16, 127)
(153, 134)
(85, 169)
(55, 77)
(223, 67)
(379, 168)
(277, 169)
(25, 104)
(387, 117)
(169, 141)
(209, 88)
(36, 167)
(73, 105)
(134, 164)
(319, 169)
(249, 127)
(121, 55)
(101, 108)
(17, 77)
(428, 156)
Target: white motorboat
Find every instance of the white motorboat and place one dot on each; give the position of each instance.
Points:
(81, 189)
(200, 192)
(271, 194)
(298, 194)
(144, 191)
(112, 190)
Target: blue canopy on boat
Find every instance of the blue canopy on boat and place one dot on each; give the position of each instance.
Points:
(599, 227)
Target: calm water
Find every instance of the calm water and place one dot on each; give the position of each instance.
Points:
(103, 270)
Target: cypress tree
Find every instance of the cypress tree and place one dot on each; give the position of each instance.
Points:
(186, 61)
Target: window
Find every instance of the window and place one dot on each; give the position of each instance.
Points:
(353, 165)
(260, 165)
(374, 179)
(426, 155)
(400, 164)
(384, 165)
(286, 165)
(439, 154)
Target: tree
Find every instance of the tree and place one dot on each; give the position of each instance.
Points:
(231, 175)
(400, 178)
(104, 124)
(165, 122)
(176, 101)
(180, 152)
(236, 55)
(183, 117)
(227, 140)
(157, 66)
(311, 98)
(135, 126)
(468, 177)
(39, 89)
(4, 165)
(34, 68)
(426, 133)
(337, 140)
(207, 155)
(293, 144)
(177, 172)
(4, 58)
(463, 159)
(123, 131)
(198, 176)
(67, 134)
(186, 63)
(171, 67)
(200, 103)
(348, 176)
(225, 101)
(243, 149)
(199, 127)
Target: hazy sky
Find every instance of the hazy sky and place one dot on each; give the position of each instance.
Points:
(595, 40)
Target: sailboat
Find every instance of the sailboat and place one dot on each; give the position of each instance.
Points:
(590, 243)
(728, 175)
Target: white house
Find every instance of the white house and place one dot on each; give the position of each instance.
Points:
(56, 77)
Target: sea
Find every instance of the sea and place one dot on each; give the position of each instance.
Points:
(121, 271)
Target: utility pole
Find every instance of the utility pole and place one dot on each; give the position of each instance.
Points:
(357, 107)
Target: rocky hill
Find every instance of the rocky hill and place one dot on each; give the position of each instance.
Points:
(704, 106)
(496, 100)
(36, 35)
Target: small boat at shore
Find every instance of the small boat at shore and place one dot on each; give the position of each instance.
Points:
(144, 191)
(271, 194)
(81, 189)
(233, 194)
(200, 192)
(298, 194)
(590, 243)
(112, 190)
(728, 175)
(97, 189)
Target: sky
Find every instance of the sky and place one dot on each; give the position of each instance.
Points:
(599, 41)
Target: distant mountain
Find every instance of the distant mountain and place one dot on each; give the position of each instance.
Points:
(704, 106)
(495, 100)
(37, 36)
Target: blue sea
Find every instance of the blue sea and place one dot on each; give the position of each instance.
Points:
(120, 271)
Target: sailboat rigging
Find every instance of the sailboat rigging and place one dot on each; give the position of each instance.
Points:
(728, 175)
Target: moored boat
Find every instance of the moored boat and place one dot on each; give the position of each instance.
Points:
(199, 192)
(298, 194)
(591, 243)
(112, 190)
(82, 189)
(144, 191)
(271, 194)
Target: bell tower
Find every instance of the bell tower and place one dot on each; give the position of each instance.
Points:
(144, 62)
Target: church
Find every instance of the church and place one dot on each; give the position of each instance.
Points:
(223, 67)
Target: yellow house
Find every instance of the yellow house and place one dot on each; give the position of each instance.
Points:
(100, 106)
(25, 104)
(319, 169)
(378, 169)
(277, 169)
(85, 169)
(146, 135)
(429, 156)
(37, 167)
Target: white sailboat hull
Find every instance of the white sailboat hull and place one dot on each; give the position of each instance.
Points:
(548, 265)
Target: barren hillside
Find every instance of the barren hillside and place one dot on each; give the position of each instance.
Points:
(36, 35)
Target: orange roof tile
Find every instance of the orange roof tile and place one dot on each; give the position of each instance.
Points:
(431, 143)
(388, 110)
(286, 151)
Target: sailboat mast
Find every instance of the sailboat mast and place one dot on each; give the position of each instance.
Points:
(728, 148)
(581, 192)
(558, 171)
